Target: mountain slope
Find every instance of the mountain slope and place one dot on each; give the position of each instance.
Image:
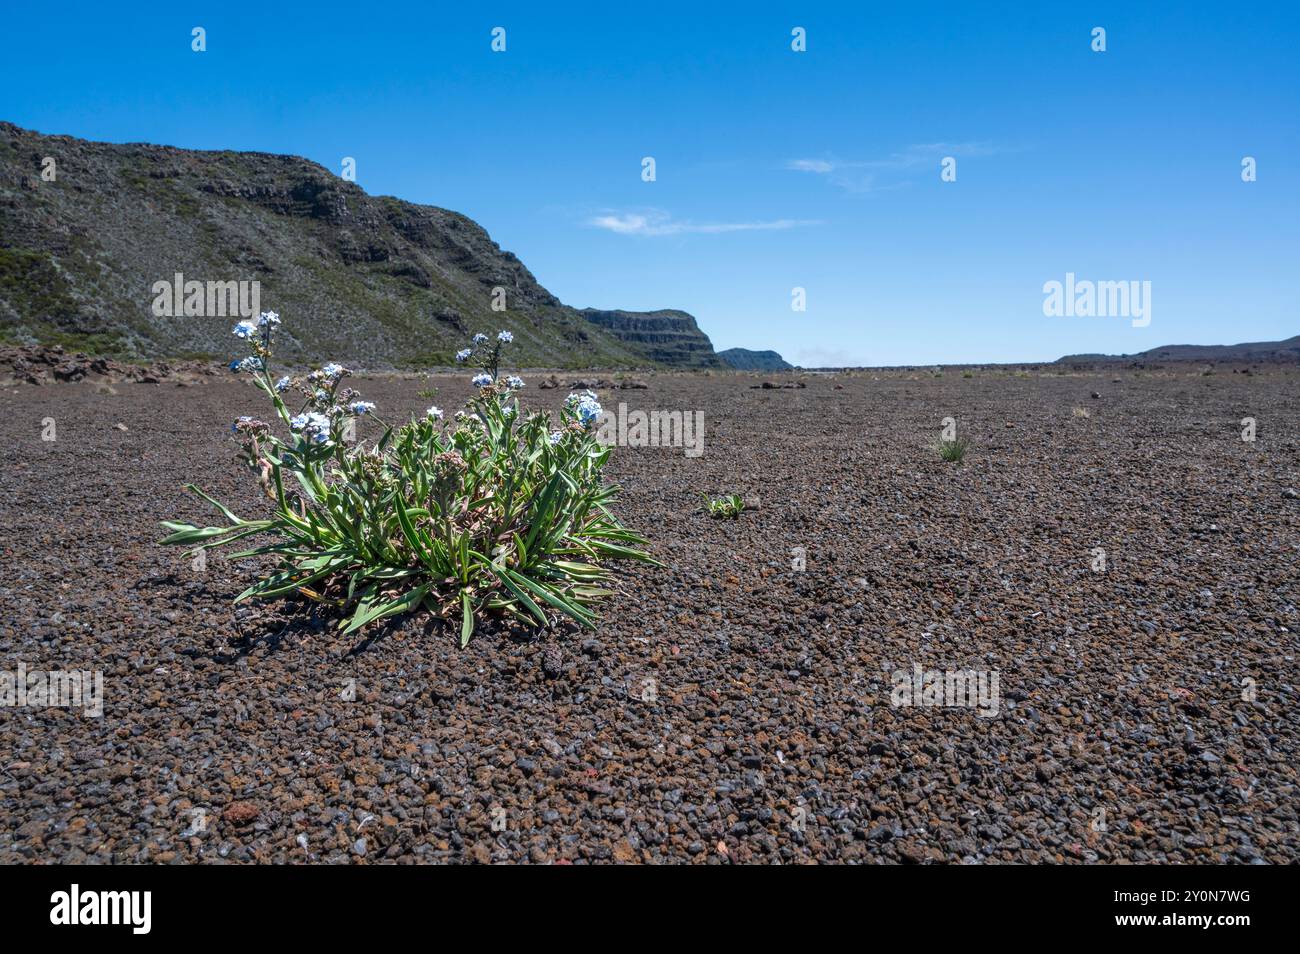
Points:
(368, 279)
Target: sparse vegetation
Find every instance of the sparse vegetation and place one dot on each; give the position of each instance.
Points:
(727, 507)
(953, 450)
(496, 512)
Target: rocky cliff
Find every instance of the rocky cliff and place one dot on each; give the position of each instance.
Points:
(668, 336)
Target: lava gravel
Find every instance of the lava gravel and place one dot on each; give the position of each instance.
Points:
(1110, 547)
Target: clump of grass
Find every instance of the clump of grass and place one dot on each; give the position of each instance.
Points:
(967, 374)
(1080, 412)
(727, 507)
(495, 512)
(952, 449)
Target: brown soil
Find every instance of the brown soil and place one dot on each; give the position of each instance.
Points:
(730, 708)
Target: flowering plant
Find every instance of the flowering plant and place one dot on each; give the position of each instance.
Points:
(493, 512)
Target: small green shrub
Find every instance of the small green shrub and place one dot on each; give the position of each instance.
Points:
(724, 508)
(496, 512)
(952, 449)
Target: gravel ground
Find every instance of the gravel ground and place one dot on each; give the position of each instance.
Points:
(731, 708)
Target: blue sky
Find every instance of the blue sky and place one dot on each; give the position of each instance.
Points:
(775, 169)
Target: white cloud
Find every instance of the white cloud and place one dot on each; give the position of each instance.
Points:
(826, 358)
(656, 222)
(810, 165)
(890, 172)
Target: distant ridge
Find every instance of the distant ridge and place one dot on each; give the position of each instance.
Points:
(742, 359)
(1288, 350)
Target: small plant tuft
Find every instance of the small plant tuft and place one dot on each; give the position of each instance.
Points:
(727, 507)
(494, 512)
(952, 450)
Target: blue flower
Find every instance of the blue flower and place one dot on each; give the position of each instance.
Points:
(463, 355)
(557, 436)
(361, 407)
(268, 319)
(478, 339)
(505, 337)
(283, 384)
(246, 364)
(481, 380)
(515, 382)
(245, 329)
(333, 371)
(584, 406)
(314, 426)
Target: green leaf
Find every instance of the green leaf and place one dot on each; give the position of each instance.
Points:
(569, 609)
(409, 532)
(225, 511)
(187, 534)
(375, 611)
(467, 620)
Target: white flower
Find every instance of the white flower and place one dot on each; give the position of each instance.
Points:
(481, 380)
(435, 413)
(463, 354)
(245, 329)
(515, 382)
(283, 384)
(557, 436)
(268, 319)
(505, 337)
(332, 371)
(478, 339)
